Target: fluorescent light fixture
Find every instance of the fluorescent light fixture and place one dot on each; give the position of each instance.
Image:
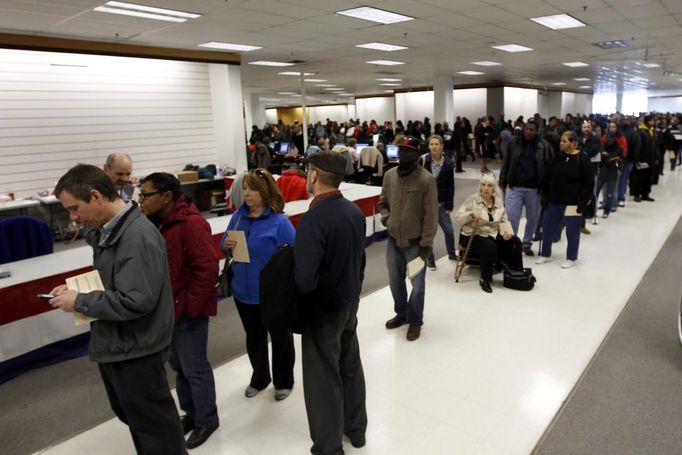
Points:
(391, 91)
(486, 63)
(581, 79)
(324, 85)
(558, 21)
(147, 12)
(651, 65)
(294, 73)
(286, 93)
(315, 80)
(269, 63)
(375, 15)
(382, 47)
(470, 73)
(585, 86)
(229, 46)
(345, 94)
(558, 83)
(389, 79)
(385, 62)
(335, 89)
(611, 44)
(575, 64)
(512, 48)
(390, 84)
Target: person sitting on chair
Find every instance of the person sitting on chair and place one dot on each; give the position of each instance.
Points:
(480, 217)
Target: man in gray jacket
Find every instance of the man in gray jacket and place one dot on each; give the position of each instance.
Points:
(134, 312)
(409, 209)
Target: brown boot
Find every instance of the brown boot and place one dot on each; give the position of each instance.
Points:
(394, 323)
(413, 332)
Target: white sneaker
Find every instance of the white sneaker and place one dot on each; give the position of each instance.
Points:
(621, 204)
(567, 264)
(595, 220)
(542, 260)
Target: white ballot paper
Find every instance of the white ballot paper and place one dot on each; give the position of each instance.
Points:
(572, 210)
(84, 283)
(415, 266)
(240, 252)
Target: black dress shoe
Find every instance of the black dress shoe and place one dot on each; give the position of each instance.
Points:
(395, 322)
(187, 424)
(528, 251)
(200, 435)
(638, 198)
(485, 285)
(648, 198)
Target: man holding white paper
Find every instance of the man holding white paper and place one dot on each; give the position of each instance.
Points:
(134, 312)
(409, 209)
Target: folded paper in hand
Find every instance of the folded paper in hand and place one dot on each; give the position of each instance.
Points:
(415, 266)
(240, 253)
(572, 210)
(84, 283)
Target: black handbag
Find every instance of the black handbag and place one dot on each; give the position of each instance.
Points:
(520, 280)
(225, 279)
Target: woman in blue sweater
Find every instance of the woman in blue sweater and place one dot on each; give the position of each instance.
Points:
(265, 228)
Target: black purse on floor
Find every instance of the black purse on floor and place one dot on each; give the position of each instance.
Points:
(520, 280)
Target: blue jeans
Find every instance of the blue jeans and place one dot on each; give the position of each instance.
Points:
(608, 181)
(623, 180)
(194, 383)
(554, 214)
(445, 223)
(516, 199)
(412, 309)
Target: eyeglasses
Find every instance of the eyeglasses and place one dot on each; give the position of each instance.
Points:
(149, 194)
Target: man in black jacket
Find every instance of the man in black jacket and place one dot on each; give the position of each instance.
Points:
(330, 265)
(644, 160)
(522, 176)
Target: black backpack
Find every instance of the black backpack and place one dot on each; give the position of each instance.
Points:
(278, 293)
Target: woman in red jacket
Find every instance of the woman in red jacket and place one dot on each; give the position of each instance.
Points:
(193, 269)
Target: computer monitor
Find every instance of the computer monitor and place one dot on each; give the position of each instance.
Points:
(283, 148)
(392, 151)
(359, 147)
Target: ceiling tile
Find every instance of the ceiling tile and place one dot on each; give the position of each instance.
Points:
(649, 9)
(490, 14)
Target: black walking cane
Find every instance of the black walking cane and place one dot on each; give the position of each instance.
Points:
(462, 259)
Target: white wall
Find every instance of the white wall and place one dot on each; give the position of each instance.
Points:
(470, 103)
(336, 113)
(414, 106)
(520, 101)
(666, 104)
(228, 115)
(381, 109)
(59, 109)
(634, 102)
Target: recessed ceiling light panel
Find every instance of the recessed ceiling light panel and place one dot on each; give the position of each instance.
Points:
(230, 46)
(558, 21)
(294, 73)
(575, 64)
(581, 79)
(558, 83)
(486, 63)
(389, 79)
(385, 62)
(512, 48)
(613, 44)
(147, 12)
(382, 47)
(470, 73)
(375, 15)
(269, 63)
(651, 65)
(390, 84)
(315, 80)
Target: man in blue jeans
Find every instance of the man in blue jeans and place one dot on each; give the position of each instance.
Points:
(442, 168)
(522, 176)
(409, 209)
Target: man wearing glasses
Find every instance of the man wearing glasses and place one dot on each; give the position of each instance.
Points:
(130, 338)
(119, 167)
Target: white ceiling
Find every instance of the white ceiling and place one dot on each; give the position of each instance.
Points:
(444, 38)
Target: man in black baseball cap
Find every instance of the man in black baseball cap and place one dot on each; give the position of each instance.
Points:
(328, 161)
(409, 209)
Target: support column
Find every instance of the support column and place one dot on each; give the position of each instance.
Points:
(257, 112)
(494, 104)
(228, 115)
(443, 100)
(619, 102)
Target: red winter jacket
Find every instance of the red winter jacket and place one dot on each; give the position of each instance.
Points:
(192, 260)
(292, 185)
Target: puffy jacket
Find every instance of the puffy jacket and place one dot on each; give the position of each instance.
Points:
(263, 235)
(292, 185)
(543, 156)
(192, 262)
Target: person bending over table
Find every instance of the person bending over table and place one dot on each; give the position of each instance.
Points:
(480, 216)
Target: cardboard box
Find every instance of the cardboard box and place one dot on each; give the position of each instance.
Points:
(187, 176)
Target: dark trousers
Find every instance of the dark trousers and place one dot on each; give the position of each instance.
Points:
(194, 380)
(554, 215)
(489, 250)
(459, 152)
(334, 383)
(608, 178)
(642, 181)
(283, 354)
(140, 397)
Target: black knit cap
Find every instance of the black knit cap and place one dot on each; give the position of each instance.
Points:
(328, 161)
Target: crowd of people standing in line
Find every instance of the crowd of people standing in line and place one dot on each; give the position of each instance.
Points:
(159, 269)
